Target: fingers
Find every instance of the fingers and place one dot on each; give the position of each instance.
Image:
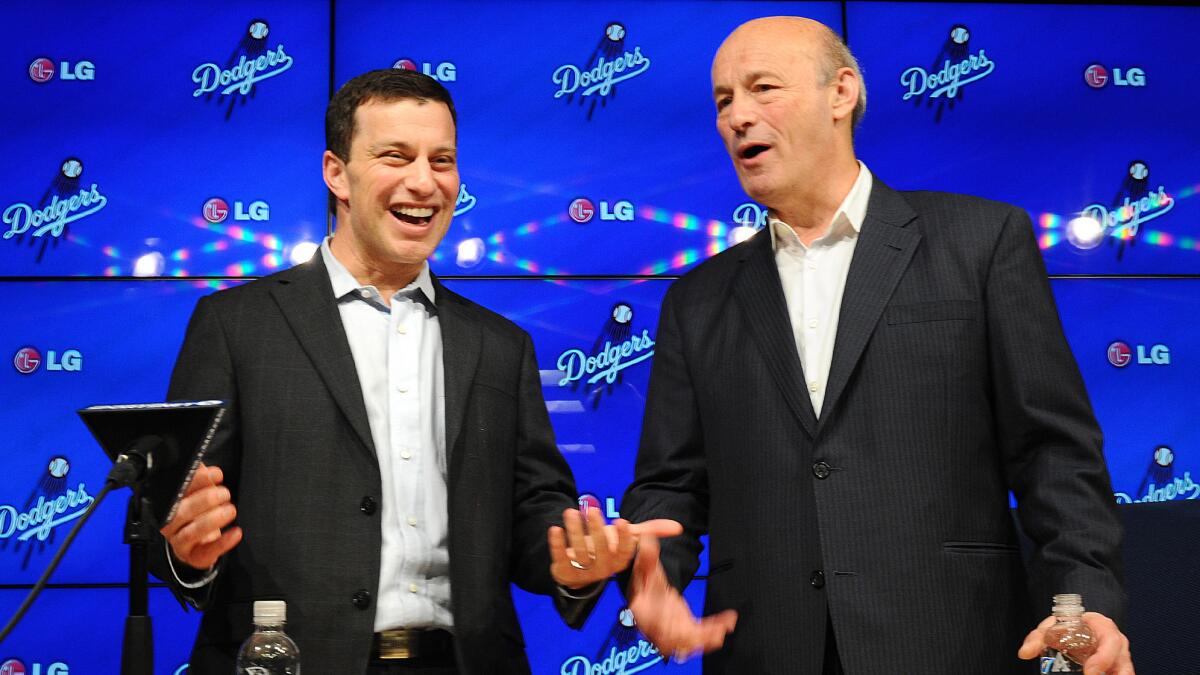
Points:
(205, 476)
(1035, 642)
(1112, 647)
(195, 532)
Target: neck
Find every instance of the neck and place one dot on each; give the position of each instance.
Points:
(386, 277)
(809, 209)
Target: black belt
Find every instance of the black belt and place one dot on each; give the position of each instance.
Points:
(412, 643)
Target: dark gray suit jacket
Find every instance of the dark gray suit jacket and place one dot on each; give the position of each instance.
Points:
(951, 384)
(297, 453)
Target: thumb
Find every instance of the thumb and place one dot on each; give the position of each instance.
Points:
(659, 527)
(646, 563)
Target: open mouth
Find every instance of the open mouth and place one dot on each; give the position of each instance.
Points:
(413, 215)
(752, 151)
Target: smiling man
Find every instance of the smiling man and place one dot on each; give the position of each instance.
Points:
(844, 402)
(386, 465)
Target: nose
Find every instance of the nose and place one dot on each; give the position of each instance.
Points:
(741, 113)
(419, 178)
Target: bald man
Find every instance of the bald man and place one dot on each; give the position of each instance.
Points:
(844, 402)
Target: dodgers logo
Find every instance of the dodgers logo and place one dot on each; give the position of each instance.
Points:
(1161, 482)
(615, 349)
(1120, 221)
(609, 64)
(66, 200)
(954, 67)
(51, 504)
(250, 62)
(624, 652)
(465, 201)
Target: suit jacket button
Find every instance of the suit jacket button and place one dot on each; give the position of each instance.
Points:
(821, 470)
(817, 579)
(361, 599)
(368, 505)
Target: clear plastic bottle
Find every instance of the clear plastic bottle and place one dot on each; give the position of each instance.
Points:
(268, 650)
(1070, 641)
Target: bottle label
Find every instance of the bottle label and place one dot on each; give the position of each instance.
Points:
(1054, 661)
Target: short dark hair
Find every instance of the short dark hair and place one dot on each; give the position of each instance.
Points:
(388, 84)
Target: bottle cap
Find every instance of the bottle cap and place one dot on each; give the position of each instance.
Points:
(270, 612)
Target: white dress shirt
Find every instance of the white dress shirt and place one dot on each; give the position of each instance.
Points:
(398, 355)
(814, 277)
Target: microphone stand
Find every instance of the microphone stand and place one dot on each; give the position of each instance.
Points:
(137, 650)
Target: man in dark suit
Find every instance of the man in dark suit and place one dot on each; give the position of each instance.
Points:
(844, 401)
(386, 453)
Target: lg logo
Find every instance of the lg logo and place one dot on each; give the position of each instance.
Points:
(28, 359)
(1121, 354)
(42, 70)
(442, 72)
(216, 210)
(582, 210)
(1097, 76)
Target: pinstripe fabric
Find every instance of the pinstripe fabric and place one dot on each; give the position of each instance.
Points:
(297, 454)
(951, 384)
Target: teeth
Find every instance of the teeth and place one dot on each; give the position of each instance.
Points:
(414, 212)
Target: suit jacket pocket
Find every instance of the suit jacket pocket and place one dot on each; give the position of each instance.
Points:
(942, 310)
(980, 548)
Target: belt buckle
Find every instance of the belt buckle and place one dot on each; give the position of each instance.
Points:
(397, 643)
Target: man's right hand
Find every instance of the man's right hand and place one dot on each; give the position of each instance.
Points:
(195, 532)
(663, 615)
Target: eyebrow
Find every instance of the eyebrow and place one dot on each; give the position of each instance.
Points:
(405, 145)
(750, 77)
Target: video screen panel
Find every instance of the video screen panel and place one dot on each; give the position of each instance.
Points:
(162, 139)
(71, 345)
(73, 630)
(1136, 345)
(587, 140)
(1065, 110)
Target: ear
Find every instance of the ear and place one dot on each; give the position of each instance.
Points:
(333, 170)
(844, 94)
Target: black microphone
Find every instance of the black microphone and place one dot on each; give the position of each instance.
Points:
(136, 461)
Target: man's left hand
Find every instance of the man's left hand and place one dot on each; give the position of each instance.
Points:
(578, 558)
(1112, 647)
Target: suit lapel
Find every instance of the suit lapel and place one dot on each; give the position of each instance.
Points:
(884, 249)
(306, 299)
(461, 342)
(760, 295)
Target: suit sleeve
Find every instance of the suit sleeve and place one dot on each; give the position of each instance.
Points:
(670, 476)
(544, 487)
(1050, 443)
(204, 371)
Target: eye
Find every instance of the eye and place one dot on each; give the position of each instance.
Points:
(760, 87)
(724, 102)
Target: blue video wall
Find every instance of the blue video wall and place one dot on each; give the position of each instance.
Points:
(166, 152)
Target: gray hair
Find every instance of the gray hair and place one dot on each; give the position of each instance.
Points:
(837, 56)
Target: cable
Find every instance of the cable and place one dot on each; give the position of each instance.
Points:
(109, 486)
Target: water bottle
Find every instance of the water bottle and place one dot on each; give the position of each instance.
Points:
(269, 651)
(1070, 640)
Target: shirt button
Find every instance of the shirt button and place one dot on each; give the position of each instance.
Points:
(812, 267)
(412, 588)
(817, 579)
(361, 598)
(405, 454)
(812, 323)
(402, 388)
(368, 505)
(813, 387)
(401, 329)
(412, 520)
(364, 293)
(821, 470)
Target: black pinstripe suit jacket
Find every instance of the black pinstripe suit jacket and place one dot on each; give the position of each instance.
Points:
(297, 453)
(951, 384)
